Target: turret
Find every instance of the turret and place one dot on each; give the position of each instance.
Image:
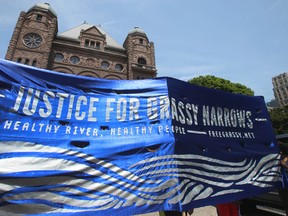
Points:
(141, 56)
(33, 36)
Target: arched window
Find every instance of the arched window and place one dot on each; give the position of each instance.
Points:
(142, 61)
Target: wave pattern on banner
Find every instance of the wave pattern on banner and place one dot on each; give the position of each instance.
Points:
(62, 180)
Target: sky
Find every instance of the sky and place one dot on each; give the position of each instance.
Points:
(244, 41)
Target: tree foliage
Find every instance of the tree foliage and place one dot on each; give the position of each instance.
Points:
(221, 84)
(279, 119)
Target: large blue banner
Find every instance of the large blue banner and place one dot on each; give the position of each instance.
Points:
(85, 146)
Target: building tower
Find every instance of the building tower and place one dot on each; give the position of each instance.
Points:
(141, 58)
(33, 36)
(280, 89)
(85, 50)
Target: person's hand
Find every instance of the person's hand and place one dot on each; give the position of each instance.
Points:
(284, 162)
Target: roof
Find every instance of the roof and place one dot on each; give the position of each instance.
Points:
(44, 7)
(137, 30)
(74, 34)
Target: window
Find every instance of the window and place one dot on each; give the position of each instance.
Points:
(105, 65)
(26, 62)
(141, 41)
(39, 17)
(97, 45)
(119, 67)
(86, 43)
(19, 60)
(141, 61)
(34, 63)
(75, 59)
(32, 40)
(58, 57)
(92, 44)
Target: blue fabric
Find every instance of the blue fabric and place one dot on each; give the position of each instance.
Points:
(85, 146)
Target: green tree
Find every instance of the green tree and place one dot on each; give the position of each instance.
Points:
(279, 119)
(221, 84)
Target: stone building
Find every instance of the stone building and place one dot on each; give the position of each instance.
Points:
(280, 88)
(84, 50)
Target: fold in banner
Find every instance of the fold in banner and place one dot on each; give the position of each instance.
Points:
(86, 146)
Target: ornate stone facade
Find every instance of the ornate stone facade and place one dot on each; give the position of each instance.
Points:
(84, 50)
